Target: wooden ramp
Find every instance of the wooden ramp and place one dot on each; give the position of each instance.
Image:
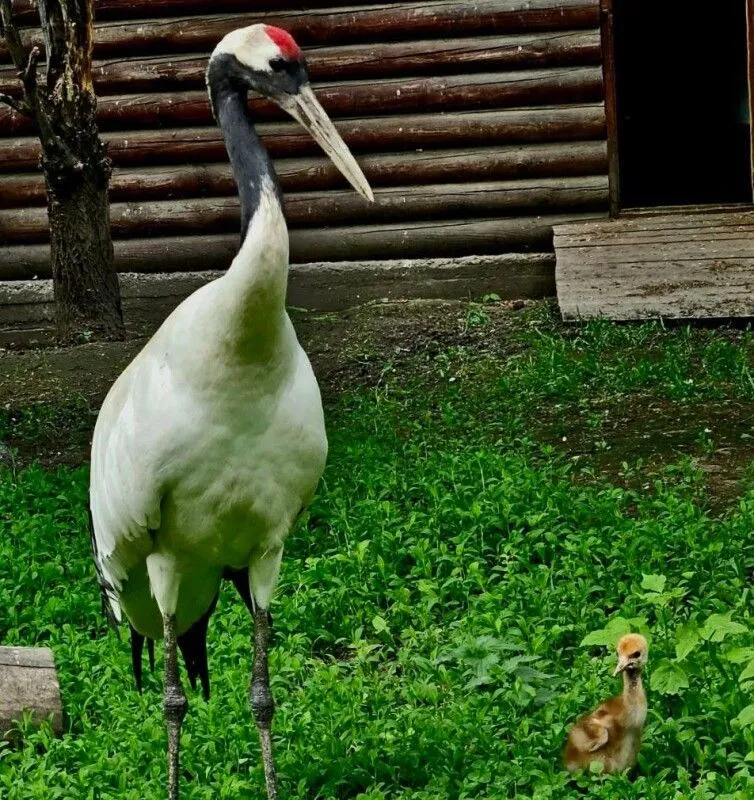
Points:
(676, 265)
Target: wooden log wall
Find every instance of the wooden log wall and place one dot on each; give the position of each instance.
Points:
(478, 124)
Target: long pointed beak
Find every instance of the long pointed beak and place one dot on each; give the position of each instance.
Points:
(305, 109)
(622, 664)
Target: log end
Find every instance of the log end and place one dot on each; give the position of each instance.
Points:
(28, 683)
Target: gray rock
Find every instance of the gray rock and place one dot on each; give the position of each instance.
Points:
(6, 457)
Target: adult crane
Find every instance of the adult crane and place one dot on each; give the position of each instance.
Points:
(212, 441)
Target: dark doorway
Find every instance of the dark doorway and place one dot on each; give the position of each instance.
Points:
(681, 70)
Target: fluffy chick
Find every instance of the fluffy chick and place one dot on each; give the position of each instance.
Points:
(611, 734)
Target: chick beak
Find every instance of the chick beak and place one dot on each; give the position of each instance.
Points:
(305, 109)
(623, 663)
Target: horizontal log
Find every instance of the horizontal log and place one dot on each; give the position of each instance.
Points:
(435, 239)
(325, 286)
(25, 11)
(464, 129)
(356, 98)
(443, 166)
(353, 62)
(385, 22)
(400, 203)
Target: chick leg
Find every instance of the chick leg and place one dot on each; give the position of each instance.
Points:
(175, 704)
(260, 696)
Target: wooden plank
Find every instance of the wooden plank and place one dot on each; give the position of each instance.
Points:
(642, 225)
(28, 682)
(443, 166)
(356, 98)
(386, 22)
(373, 134)
(428, 239)
(672, 266)
(352, 62)
(401, 203)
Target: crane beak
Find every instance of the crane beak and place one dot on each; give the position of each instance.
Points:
(622, 664)
(305, 109)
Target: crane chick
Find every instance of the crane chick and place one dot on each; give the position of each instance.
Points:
(611, 734)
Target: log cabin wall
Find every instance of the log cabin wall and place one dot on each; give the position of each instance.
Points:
(478, 124)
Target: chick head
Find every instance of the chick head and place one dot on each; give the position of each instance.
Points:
(632, 653)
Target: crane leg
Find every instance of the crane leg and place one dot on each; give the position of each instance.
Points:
(175, 704)
(260, 696)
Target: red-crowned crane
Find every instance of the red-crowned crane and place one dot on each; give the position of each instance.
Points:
(212, 441)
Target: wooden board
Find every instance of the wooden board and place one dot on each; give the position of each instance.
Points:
(28, 681)
(675, 266)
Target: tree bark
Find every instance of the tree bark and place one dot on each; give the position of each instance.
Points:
(75, 165)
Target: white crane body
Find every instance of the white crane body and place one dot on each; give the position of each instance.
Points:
(212, 440)
(207, 447)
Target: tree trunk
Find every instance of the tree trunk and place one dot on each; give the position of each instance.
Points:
(76, 168)
(77, 173)
(87, 294)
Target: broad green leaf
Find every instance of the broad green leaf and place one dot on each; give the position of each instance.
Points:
(718, 626)
(748, 672)
(653, 583)
(379, 624)
(686, 639)
(669, 678)
(746, 716)
(738, 655)
(615, 628)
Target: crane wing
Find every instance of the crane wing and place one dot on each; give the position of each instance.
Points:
(589, 735)
(598, 735)
(124, 490)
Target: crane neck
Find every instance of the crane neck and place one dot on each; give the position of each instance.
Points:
(257, 278)
(249, 160)
(633, 689)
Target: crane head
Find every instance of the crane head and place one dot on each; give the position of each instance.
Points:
(266, 59)
(632, 652)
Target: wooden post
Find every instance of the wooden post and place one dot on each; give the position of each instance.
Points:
(611, 101)
(28, 681)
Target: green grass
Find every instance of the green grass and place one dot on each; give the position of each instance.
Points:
(431, 621)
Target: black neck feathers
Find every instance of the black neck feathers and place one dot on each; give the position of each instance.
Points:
(248, 158)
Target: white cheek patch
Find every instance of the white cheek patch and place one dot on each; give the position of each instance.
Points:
(251, 46)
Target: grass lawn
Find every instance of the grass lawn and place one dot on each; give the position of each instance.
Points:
(499, 505)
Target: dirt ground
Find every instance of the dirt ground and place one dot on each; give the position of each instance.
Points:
(355, 348)
(346, 348)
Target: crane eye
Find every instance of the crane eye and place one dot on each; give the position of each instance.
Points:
(278, 64)
(636, 654)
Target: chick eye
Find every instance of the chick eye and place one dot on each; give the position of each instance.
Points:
(278, 64)
(635, 655)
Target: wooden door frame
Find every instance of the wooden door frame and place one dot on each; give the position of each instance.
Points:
(607, 35)
(610, 92)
